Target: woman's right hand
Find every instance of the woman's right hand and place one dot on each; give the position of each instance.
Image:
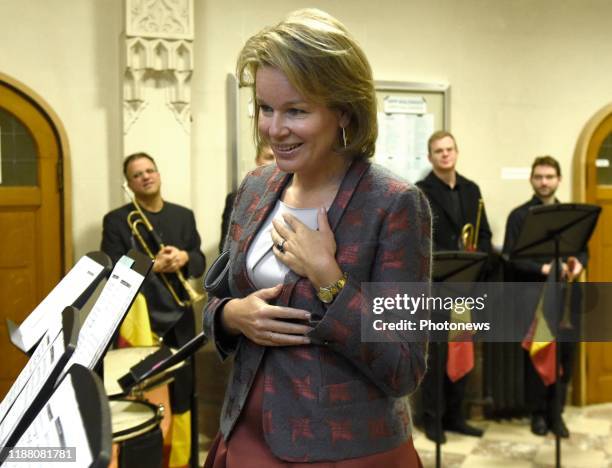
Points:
(263, 323)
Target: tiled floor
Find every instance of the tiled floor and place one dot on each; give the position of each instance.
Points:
(511, 444)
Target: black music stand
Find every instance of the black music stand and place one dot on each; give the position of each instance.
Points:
(457, 267)
(158, 362)
(94, 418)
(41, 393)
(95, 412)
(557, 230)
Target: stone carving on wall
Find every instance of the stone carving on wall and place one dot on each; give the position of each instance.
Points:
(172, 19)
(159, 58)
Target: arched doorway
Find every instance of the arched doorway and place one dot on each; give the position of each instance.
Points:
(33, 254)
(593, 184)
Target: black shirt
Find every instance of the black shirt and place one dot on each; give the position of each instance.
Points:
(452, 208)
(176, 226)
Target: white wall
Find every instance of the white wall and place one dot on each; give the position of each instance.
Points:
(525, 76)
(67, 51)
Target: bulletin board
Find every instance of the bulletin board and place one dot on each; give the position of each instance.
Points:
(408, 113)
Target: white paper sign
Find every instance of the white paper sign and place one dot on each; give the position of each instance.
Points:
(404, 105)
(402, 144)
(515, 173)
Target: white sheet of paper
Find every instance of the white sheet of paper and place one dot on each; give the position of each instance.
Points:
(59, 424)
(106, 315)
(402, 144)
(25, 374)
(49, 311)
(35, 376)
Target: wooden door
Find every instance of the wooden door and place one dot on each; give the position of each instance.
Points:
(599, 191)
(30, 222)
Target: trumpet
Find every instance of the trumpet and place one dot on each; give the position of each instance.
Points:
(469, 233)
(137, 218)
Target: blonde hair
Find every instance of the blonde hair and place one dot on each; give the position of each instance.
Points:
(435, 136)
(324, 63)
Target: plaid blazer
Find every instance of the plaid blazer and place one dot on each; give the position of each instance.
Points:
(338, 397)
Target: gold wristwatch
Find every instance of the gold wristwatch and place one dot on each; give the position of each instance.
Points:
(327, 294)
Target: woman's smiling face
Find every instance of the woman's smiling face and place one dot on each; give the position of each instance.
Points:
(302, 134)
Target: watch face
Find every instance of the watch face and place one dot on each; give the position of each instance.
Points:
(325, 295)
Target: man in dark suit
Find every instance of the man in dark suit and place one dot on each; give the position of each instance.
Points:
(454, 202)
(545, 179)
(176, 227)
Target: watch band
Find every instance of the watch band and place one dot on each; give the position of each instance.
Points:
(327, 294)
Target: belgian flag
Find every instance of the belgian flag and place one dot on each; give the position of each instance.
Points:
(540, 341)
(136, 331)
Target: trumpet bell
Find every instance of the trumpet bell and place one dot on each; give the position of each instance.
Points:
(467, 237)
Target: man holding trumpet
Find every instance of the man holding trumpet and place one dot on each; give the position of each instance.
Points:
(459, 223)
(167, 232)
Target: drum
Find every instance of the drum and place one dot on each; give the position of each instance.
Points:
(137, 437)
(118, 362)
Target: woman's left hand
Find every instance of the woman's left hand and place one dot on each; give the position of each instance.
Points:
(307, 252)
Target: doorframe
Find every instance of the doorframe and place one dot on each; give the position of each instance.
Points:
(581, 162)
(64, 154)
(582, 165)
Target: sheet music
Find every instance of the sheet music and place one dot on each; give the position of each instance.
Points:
(59, 425)
(49, 311)
(36, 376)
(106, 314)
(26, 372)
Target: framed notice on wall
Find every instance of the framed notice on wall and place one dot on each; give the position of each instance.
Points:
(408, 113)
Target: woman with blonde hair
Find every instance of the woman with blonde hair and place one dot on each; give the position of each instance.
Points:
(305, 233)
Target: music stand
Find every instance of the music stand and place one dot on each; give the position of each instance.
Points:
(457, 267)
(557, 230)
(74, 289)
(158, 362)
(80, 416)
(35, 383)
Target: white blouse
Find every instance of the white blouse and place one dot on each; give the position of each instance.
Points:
(263, 268)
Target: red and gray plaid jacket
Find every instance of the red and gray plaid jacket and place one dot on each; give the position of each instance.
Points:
(339, 397)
